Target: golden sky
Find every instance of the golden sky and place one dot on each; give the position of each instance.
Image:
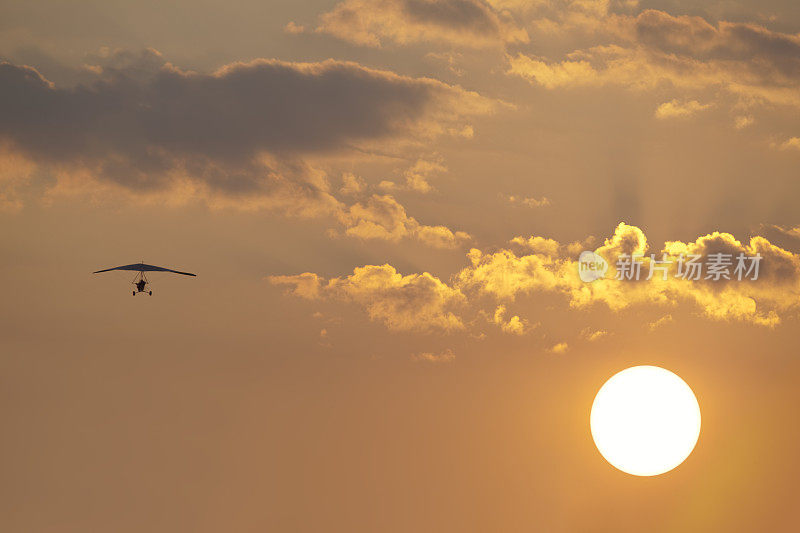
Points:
(385, 201)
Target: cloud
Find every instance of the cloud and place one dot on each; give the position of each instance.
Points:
(446, 356)
(789, 232)
(417, 177)
(529, 201)
(415, 302)
(654, 48)
(505, 275)
(779, 53)
(593, 335)
(740, 122)
(351, 184)
(294, 28)
(246, 130)
(382, 217)
(425, 303)
(792, 143)
(666, 319)
(678, 109)
(514, 325)
(466, 23)
(559, 348)
(247, 136)
(551, 247)
(452, 60)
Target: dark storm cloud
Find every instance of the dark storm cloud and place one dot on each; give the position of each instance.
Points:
(141, 115)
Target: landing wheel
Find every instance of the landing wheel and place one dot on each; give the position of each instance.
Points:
(151, 293)
(134, 293)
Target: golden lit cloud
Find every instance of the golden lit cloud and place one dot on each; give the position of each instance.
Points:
(382, 217)
(666, 319)
(790, 232)
(792, 143)
(593, 335)
(559, 348)
(549, 267)
(417, 177)
(647, 50)
(416, 302)
(514, 325)
(678, 109)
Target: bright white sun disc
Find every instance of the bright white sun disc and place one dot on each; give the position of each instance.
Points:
(645, 420)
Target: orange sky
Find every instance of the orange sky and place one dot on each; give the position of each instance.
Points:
(384, 201)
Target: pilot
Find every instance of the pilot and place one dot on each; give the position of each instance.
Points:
(140, 285)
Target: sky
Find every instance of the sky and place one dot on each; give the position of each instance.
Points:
(384, 202)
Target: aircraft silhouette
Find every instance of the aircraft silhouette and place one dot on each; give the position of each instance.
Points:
(140, 280)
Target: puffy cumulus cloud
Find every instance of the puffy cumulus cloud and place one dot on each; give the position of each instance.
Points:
(382, 217)
(514, 325)
(627, 239)
(506, 275)
(546, 246)
(539, 265)
(415, 302)
(778, 267)
(417, 177)
(467, 23)
(538, 244)
(677, 109)
(763, 301)
(653, 48)
(559, 348)
(351, 184)
(246, 131)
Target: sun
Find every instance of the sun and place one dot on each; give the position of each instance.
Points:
(645, 420)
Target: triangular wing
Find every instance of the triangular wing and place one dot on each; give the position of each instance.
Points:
(141, 267)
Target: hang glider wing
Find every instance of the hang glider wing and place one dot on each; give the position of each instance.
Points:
(141, 267)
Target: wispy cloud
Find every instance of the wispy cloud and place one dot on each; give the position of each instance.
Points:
(447, 356)
(678, 109)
